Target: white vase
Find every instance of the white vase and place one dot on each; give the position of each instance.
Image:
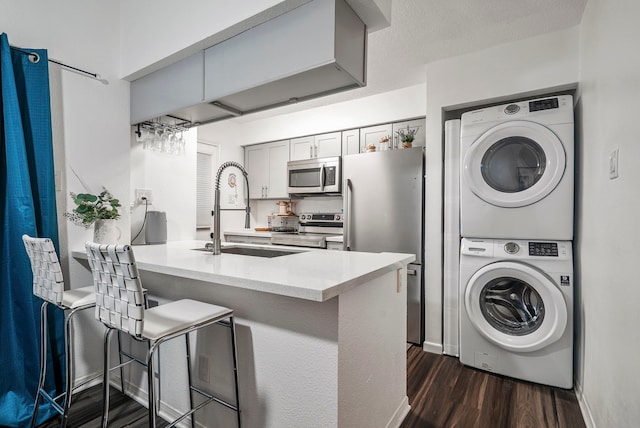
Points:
(105, 231)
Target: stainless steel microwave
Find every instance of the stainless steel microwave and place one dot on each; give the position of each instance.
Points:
(314, 176)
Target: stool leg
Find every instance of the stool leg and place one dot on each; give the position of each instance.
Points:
(43, 360)
(235, 366)
(193, 415)
(68, 351)
(151, 395)
(105, 379)
(120, 361)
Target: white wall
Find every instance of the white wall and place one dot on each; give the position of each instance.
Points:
(608, 373)
(499, 73)
(172, 180)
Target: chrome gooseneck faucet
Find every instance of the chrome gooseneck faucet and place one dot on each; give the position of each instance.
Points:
(216, 205)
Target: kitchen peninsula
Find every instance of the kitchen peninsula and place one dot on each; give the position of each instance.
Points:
(321, 334)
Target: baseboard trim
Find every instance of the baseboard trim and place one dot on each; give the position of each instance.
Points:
(584, 406)
(434, 348)
(401, 412)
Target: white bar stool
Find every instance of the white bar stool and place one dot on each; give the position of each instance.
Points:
(119, 306)
(48, 284)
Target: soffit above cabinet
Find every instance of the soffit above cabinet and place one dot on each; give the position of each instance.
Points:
(314, 50)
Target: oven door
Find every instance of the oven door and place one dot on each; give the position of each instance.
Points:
(314, 176)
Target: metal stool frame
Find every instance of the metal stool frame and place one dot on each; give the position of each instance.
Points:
(119, 308)
(48, 284)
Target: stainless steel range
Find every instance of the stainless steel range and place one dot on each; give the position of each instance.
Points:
(313, 231)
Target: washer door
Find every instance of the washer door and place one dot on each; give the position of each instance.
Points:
(514, 164)
(515, 306)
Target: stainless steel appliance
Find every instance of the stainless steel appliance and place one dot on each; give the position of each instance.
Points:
(313, 230)
(384, 212)
(314, 176)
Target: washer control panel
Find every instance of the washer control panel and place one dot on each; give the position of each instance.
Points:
(517, 249)
(543, 249)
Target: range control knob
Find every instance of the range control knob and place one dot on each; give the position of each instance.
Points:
(511, 247)
(338, 217)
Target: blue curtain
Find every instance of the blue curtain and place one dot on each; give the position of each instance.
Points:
(27, 205)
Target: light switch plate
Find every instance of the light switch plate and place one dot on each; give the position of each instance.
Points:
(613, 164)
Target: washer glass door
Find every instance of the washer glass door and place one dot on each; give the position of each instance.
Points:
(514, 164)
(515, 306)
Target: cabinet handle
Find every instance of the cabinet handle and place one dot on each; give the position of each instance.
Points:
(310, 151)
(266, 191)
(315, 151)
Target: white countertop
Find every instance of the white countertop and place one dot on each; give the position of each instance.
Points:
(316, 275)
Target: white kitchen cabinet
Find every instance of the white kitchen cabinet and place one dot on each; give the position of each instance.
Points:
(372, 135)
(420, 135)
(328, 144)
(301, 148)
(351, 142)
(316, 146)
(168, 90)
(267, 168)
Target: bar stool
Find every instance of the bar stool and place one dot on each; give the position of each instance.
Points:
(119, 306)
(48, 284)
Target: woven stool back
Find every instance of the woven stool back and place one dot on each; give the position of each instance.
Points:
(119, 292)
(48, 283)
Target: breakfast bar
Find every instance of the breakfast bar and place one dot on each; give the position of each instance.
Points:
(321, 335)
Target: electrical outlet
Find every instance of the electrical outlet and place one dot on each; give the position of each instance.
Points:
(142, 194)
(203, 368)
(613, 164)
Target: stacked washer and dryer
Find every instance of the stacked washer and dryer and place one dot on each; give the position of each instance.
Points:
(516, 187)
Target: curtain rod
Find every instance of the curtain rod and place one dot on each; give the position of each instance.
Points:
(35, 58)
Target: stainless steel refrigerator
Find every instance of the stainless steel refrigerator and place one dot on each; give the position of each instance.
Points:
(383, 194)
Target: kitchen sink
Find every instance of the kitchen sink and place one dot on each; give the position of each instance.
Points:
(254, 251)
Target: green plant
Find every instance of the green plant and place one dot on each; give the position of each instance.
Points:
(407, 135)
(90, 208)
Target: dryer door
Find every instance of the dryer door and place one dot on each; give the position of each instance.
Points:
(515, 306)
(514, 164)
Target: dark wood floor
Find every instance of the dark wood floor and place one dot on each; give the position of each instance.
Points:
(442, 393)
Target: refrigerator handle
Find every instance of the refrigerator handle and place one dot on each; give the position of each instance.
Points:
(412, 272)
(347, 211)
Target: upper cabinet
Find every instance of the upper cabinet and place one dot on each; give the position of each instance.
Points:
(267, 169)
(350, 142)
(316, 49)
(417, 125)
(168, 90)
(371, 135)
(316, 146)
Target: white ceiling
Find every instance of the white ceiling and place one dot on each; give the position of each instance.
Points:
(424, 31)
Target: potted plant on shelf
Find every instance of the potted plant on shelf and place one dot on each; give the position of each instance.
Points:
(407, 136)
(101, 211)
